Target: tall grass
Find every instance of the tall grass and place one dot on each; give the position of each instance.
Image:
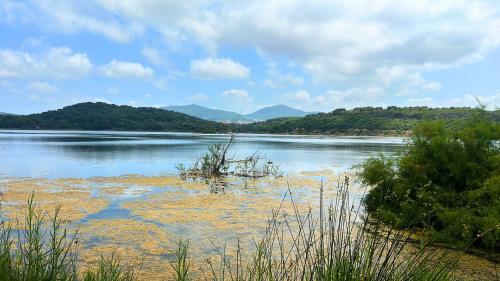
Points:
(39, 248)
(181, 264)
(340, 244)
(110, 269)
(337, 244)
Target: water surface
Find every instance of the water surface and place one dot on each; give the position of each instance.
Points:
(83, 154)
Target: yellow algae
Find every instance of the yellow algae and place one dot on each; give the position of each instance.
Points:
(146, 237)
(152, 181)
(320, 173)
(241, 209)
(75, 203)
(476, 268)
(147, 267)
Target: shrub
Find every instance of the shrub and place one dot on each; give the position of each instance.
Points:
(445, 182)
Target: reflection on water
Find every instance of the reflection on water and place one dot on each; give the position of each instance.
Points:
(57, 154)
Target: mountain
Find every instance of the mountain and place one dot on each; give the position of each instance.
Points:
(102, 116)
(276, 111)
(208, 113)
(364, 121)
(233, 117)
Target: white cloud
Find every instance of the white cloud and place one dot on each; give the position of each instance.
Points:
(432, 86)
(7, 73)
(335, 40)
(388, 43)
(118, 69)
(58, 63)
(69, 17)
(424, 101)
(332, 99)
(198, 97)
(218, 68)
(43, 87)
(239, 95)
(152, 55)
(299, 96)
(491, 101)
(278, 80)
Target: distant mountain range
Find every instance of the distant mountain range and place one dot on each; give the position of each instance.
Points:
(208, 113)
(265, 113)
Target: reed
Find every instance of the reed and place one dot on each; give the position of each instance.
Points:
(339, 244)
(39, 248)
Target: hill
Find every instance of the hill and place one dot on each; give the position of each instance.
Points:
(208, 113)
(102, 116)
(362, 121)
(276, 111)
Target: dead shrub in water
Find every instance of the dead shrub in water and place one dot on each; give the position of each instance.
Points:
(218, 162)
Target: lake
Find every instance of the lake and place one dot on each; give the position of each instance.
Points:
(84, 154)
(121, 191)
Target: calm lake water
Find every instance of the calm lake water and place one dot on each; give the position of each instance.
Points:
(83, 154)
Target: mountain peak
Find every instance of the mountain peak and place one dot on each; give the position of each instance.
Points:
(208, 113)
(277, 111)
(270, 112)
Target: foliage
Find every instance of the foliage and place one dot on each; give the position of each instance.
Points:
(102, 116)
(364, 121)
(109, 269)
(447, 182)
(42, 250)
(181, 264)
(217, 162)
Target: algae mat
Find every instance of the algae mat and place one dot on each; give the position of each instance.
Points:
(142, 218)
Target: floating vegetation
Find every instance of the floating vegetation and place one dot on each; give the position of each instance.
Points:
(78, 202)
(160, 210)
(143, 236)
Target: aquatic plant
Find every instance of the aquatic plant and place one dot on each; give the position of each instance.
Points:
(340, 244)
(181, 264)
(218, 162)
(109, 269)
(39, 248)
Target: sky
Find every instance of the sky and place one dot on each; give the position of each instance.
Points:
(244, 55)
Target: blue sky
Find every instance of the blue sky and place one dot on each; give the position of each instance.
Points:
(243, 55)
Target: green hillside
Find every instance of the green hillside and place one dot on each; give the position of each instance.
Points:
(362, 121)
(102, 116)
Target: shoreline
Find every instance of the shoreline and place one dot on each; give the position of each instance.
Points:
(389, 133)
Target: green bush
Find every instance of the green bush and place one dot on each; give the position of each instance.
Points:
(446, 181)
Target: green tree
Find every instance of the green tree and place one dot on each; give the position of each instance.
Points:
(447, 182)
